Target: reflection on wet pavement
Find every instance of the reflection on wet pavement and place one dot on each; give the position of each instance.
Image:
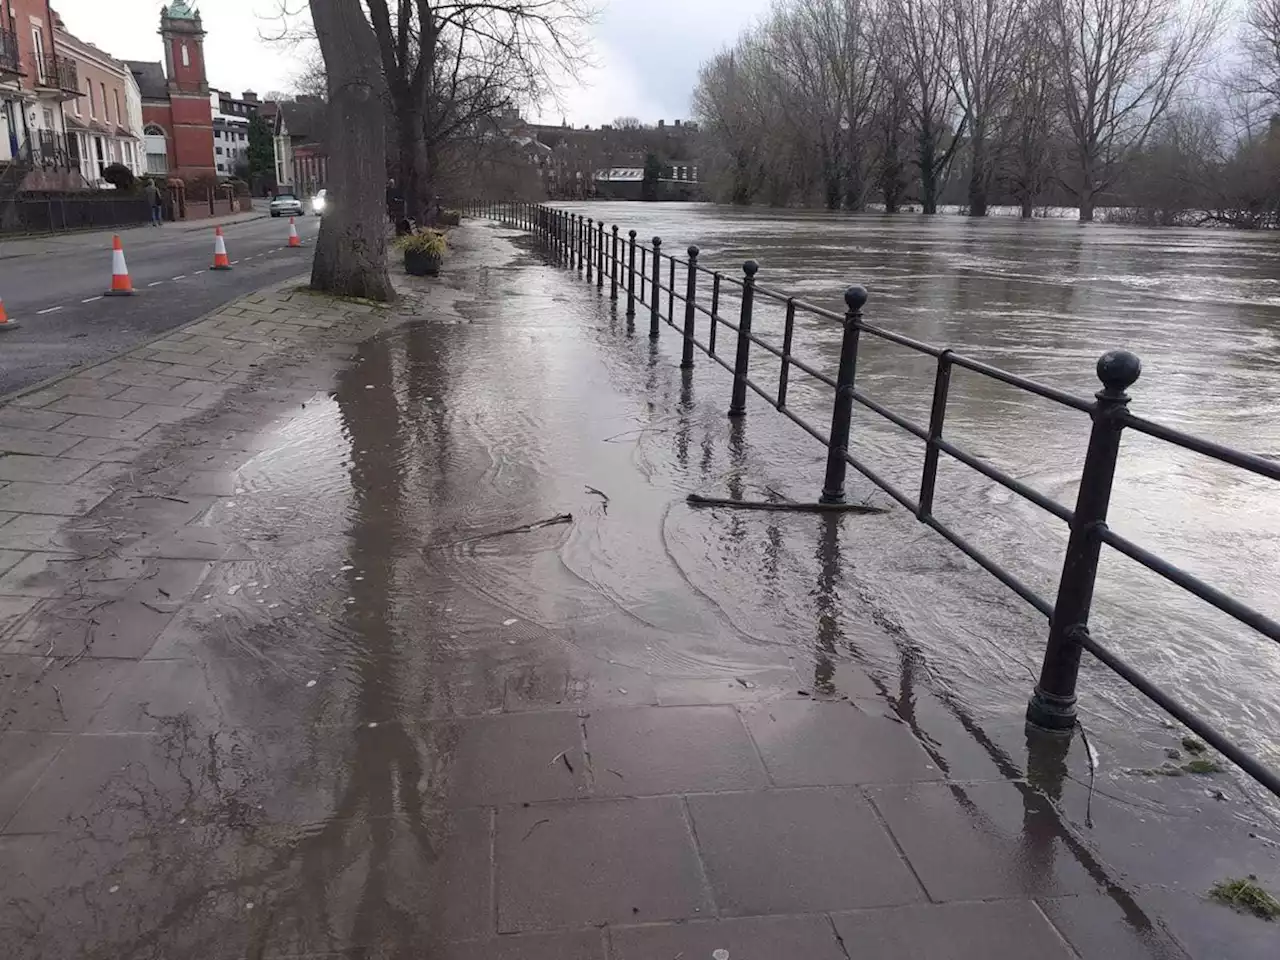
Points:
(372, 694)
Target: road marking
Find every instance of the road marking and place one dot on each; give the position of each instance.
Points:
(234, 262)
(91, 299)
(197, 273)
(181, 276)
(41, 313)
(156, 284)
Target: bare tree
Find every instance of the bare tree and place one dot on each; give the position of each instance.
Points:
(1261, 43)
(495, 51)
(1026, 136)
(918, 35)
(351, 253)
(988, 35)
(1121, 63)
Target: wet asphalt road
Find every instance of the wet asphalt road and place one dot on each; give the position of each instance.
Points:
(45, 282)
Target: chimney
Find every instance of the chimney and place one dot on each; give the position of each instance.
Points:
(249, 96)
(661, 124)
(677, 124)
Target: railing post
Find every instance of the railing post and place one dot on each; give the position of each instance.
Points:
(655, 307)
(738, 404)
(581, 238)
(715, 313)
(591, 232)
(613, 266)
(600, 255)
(842, 410)
(937, 416)
(1053, 704)
(690, 291)
(631, 276)
(671, 293)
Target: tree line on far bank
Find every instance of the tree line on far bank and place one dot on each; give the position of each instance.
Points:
(1164, 108)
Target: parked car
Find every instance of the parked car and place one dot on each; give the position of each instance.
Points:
(285, 204)
(319, 202)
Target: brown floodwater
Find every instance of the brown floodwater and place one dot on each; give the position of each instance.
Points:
(1044, 299)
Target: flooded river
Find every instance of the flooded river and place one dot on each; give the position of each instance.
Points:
(1042, 299)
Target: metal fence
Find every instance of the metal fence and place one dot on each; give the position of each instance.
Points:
(52, 213)
(635, 272)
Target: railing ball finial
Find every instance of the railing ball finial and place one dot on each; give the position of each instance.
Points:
(855, 297)
(750, 268)
(692, 251)
(631, 234)
(1118, 370)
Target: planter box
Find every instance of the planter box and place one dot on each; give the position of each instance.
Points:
(421, 264)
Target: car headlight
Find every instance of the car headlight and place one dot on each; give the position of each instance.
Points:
(317, 203)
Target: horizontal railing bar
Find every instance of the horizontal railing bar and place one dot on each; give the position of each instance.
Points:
(1002, 478)
(1192, 584)
(912, 428)
(1237, 458)
(765, 345)
(816, 374)
(1031, 386)
(989, 565)
(769, 398)
(880, 482)
(714, 356)
(1241, 758)
(822, 438)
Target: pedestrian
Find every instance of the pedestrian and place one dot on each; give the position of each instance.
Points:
(153, 198)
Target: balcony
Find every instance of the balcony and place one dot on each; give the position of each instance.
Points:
(10, 60)
(57, 73)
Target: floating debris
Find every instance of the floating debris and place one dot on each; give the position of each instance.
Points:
(311, 683)
(507, 623)
(1246, 896)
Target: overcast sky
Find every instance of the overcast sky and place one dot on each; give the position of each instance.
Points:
(646, 51)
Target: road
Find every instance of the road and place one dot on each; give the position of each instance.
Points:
(53, 286)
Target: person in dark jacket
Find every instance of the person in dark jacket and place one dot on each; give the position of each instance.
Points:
(153, 199)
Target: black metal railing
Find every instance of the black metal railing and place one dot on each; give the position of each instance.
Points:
(10, 56)
(576, 242)
(59, 73)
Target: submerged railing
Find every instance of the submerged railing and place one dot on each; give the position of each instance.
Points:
(583, 244)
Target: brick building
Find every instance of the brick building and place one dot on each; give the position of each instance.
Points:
(34, 82)
(176, 112)
(105, 121)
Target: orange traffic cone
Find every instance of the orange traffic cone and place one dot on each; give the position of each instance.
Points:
(5, 322)
(220, 261)
(294, 240)
(121, 285)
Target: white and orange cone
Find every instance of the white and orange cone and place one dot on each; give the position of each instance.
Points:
(121, 285)
(294, 239)
(5, 322)
(220, 261)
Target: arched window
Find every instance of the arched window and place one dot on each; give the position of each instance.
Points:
(186, 57)
(157, 148)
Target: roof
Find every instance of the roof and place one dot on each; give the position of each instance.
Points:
(178, 10)
(304, 118)
(151, 80)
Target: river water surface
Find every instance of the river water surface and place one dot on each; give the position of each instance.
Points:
(1042, 299)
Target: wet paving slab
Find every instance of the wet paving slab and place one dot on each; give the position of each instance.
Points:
(410, 647)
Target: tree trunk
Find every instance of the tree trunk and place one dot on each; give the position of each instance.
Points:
(1086, 205)
(978, 178)
(351, 252)
(927, 161)
(413, 156)
(1028, 206)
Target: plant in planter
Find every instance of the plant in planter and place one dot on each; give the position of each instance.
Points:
(450, 218)
(423, 252)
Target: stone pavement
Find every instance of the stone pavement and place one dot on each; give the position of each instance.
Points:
(266, 688)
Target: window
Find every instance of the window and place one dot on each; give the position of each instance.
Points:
(186, 57)
(119, 115)
(157, 163)
(37, 47)
(93, 106)
(218, 151)
(106, 114)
